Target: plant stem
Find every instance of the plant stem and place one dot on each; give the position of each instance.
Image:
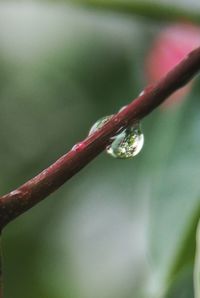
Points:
(149, 9)
(18, 201)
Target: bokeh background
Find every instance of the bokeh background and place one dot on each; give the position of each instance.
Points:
(120, 228)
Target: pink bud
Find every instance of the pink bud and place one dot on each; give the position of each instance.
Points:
(169, 48)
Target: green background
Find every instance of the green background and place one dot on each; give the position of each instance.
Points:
(118, 229)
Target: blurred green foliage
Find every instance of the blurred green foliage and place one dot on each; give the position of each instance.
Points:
(118, 228)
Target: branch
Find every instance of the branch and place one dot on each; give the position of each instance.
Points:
(26, 196)
(149, 9)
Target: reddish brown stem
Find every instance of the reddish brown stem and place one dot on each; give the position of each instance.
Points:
(23, 198)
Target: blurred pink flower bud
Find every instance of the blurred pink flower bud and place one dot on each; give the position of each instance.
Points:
(169, 48)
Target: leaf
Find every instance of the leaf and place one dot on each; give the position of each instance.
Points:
(175, 194)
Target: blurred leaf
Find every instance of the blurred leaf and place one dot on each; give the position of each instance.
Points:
(175, 204)
(188, 247)
(197, 266)
(182, 286)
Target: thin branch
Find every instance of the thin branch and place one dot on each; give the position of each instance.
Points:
(150, 9)
(23, 198)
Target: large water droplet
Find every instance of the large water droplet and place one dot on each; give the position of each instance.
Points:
(126, 144)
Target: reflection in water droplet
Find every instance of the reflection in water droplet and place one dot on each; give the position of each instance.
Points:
(99, 124)
(125, 144)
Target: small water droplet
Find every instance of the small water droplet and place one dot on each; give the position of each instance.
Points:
(99, 124)
(78, 146)
(127, 144)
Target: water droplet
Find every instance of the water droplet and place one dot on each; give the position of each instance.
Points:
(78, 146)
(127, 144)
(99, 124)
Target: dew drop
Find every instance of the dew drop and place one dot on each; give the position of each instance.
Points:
(78, 146)
(99, 124)
(127, 144)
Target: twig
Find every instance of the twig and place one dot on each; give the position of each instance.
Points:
(23, 198)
